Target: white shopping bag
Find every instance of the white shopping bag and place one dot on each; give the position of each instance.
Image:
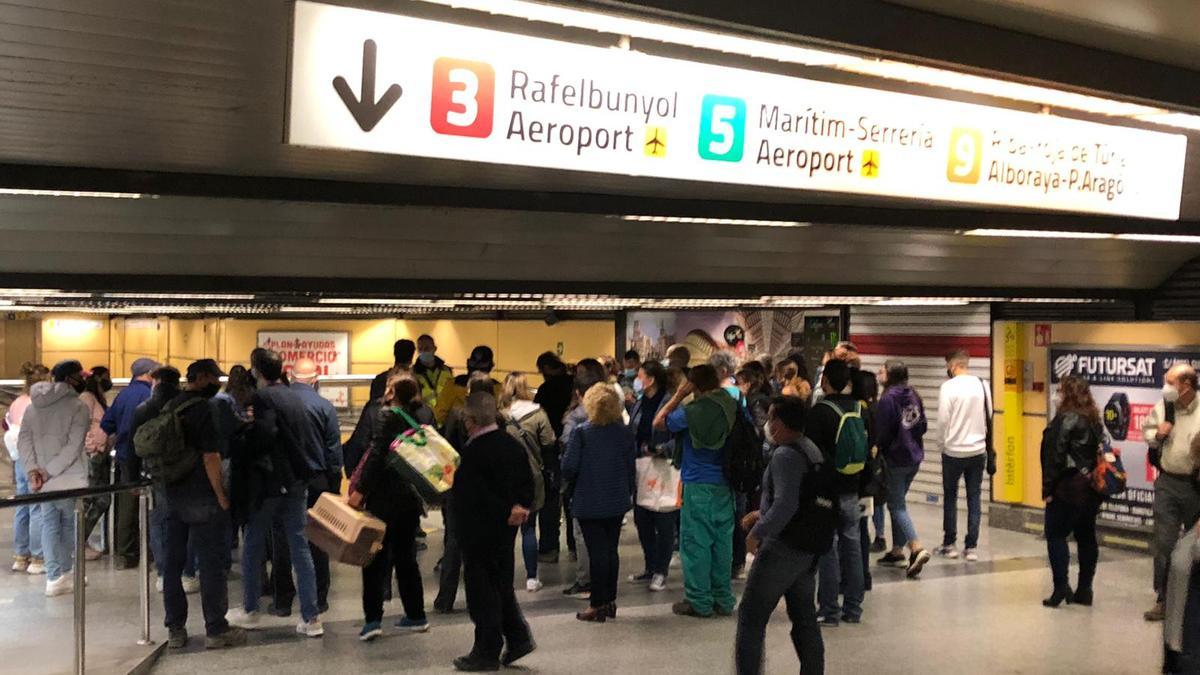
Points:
(659, 485)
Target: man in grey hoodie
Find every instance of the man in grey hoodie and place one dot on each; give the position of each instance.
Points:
(51, 447)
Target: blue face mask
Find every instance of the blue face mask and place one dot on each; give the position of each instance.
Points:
(630, 373)
(638, 387)
(426, 358)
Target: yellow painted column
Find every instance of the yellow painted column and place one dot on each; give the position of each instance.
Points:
(1009, 485)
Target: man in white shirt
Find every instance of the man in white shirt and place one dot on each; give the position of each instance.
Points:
(1176, 500)
(964, 424)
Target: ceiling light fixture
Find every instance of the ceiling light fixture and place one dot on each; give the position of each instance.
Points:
(21, 192)
(714, 221)
(1163, 238)
(177, 296)
(1037, 234)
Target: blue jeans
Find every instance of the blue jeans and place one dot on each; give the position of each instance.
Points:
(290, 509)
(656, 533)
(58, 537)
(843, 560)
(529, 546)
(877, 520)
(779, 571)
(900, 479)
(27, 521)
(971, 470)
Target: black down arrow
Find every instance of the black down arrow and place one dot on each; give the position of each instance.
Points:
(366, 110)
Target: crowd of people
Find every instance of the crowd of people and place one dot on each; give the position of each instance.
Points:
(780, 478)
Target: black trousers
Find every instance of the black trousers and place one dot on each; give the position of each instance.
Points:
(126, 539)
(283, 588)
(400, 552)
(491, 602)
(210, 536)
(602, 537)
(1064, 519)
(452, 558)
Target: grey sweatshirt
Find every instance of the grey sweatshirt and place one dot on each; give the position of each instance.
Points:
(781, 486)
(52, 435)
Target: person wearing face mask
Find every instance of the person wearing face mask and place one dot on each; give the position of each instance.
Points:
(97, 444)
(633, 362)
(51, 448)
(1176, 501)
(195, 510)
(431, 372)
(656, 530)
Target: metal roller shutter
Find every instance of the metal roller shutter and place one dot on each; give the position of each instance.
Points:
(921, 337)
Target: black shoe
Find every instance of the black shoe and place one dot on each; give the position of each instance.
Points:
(322, 607)
(578, 591)
(879, 545)
(685, 608)
(867, 583)
(443, 609)
(1057, 597)
(1172, 661)
(421, 545)
(721, 611)
(275, 610)
(233, 637)
(177, 638)
(846, 618)
(917, 562)
(892, 559)
(827, 621)
(548, 557)
(1082, 596)
(126, 563)
(514, 654)
(474, 664)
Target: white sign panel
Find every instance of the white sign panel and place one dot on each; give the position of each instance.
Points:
(364, 80)
(330, 351)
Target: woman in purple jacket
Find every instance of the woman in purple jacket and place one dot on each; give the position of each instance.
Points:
(900, 425)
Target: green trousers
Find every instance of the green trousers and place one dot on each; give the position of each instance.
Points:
(706, 546)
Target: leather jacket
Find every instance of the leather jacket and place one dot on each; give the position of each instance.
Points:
(1069, 444)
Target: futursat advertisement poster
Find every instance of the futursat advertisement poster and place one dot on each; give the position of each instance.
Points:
(1126, 383)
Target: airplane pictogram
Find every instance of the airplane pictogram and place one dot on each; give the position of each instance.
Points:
(870, 163)
(656, 142)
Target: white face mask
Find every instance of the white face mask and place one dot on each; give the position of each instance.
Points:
(770, 438)
(1170, 393)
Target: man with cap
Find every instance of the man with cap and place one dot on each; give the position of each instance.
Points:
(196, 508)
(118, 423)
(326, 434)
(51, 449)
(454, 393)
(403, 351)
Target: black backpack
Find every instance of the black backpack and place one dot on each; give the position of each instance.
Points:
(744, 462)
(811, 529)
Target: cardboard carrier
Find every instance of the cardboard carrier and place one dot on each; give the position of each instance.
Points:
(348, 536)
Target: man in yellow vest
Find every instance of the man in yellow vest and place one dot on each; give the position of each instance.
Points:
(431, 372)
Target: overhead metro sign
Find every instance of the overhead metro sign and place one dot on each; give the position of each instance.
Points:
(377, 82)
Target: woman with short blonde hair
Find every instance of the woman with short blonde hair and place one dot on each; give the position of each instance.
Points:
(600, 460)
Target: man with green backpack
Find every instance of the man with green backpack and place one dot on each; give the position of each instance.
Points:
(838, 426)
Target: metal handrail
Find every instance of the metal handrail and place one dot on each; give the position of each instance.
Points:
(74, 493)
(80, 575)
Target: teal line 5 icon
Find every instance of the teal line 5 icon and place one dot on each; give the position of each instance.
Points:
(722, 128)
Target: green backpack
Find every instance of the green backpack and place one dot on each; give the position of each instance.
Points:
(850, 449)
(161, 445)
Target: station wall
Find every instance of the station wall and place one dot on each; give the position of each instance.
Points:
(117, 342)
(1033, 403)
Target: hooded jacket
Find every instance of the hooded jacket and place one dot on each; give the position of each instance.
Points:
(900, 426)
(52, 435)
(534, 420)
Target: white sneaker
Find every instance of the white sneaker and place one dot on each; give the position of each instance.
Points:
(158, 586)
(658, 583)
(312, 629)
(533, 585)
(191, 585)
(60, 586)
(971, 555)
(947, 552)
(20, 563)
(36, 567)
(676, 563)
(242, 619)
